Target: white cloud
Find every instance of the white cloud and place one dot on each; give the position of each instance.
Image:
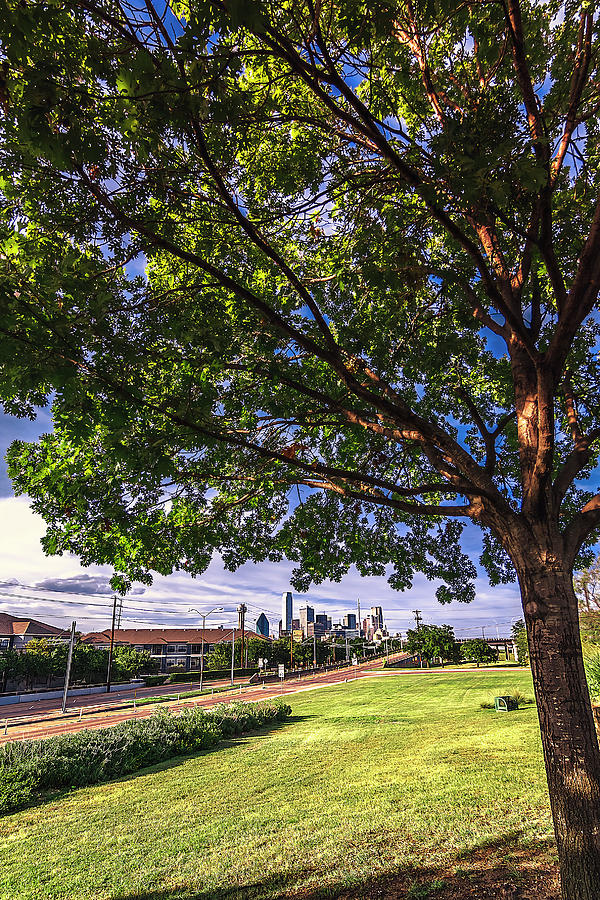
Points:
(259, 586)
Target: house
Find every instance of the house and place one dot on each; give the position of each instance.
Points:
(17, 631)
(171, 647)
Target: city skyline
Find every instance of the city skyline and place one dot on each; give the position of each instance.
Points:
(260, 586)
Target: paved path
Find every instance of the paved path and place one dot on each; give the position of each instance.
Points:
(48, 722)
(40, 723)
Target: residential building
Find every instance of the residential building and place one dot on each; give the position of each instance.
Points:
(172, 647)
(262, 625)
(17, 631)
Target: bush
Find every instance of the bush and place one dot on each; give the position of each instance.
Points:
(88, 757)
(16, 789)
(154, 680)
(592, 671)
(519, 698)
(209, 674)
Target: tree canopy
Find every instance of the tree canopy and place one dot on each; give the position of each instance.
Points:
(477, 650)
(433, 642)
(319, 281)
(300, 256)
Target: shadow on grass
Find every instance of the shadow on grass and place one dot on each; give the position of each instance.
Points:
(56, 794)
(503, 869)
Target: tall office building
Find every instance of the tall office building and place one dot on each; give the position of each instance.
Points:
(350, 620)
(286, 611)
(377, 617)
(307, 616)
(262, 625)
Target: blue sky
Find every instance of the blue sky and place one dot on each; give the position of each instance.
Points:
(260, 586)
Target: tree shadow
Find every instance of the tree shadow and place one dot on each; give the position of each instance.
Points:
(507, 868)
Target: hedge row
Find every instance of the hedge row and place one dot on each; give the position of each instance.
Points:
(210, 674)
(28, 768)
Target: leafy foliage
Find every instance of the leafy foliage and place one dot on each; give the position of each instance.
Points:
(88, 757)
(433, 642)
(273, 304)
(519, 634)
(478, 651)
(43, 659)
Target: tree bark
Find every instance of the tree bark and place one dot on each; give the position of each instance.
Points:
(569, 739)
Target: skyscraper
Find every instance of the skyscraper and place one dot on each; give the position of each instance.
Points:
(307, 615)
(262, 625)
(377, 617)
(286, 611)
(350, 620)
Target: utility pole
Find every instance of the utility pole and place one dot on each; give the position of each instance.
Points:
(119, 614)
(347, 650)
(112, 643)
(202, 653)
(358, 614)
(291, 648)
(418, 618)
(314, 651)
(69, 661)
(232, 653)
(242, 608)
(483, 631)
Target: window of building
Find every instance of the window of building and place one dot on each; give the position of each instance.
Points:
(197, 648)
(157, 648)
(171, 648)
(182, 648)
(181, 662)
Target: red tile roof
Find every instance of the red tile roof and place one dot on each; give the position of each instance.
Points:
(10, 625)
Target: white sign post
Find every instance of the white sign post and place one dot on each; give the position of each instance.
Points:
(281, 671)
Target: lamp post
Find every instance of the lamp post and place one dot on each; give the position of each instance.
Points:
(204, 618)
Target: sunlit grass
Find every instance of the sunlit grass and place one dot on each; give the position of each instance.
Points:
(368, 778)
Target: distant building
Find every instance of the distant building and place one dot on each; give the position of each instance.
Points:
(17, 631)
(286, 611)
(295, 624)
(262, 625)
(322, 619)
(376, 617)
(315, 628)
(180, 647)
(307, 616)
(350, 620)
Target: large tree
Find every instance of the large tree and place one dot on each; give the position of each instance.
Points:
(317, 280)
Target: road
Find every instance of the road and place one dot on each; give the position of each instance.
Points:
(43, 719)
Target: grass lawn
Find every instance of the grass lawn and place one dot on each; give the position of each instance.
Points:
(397, 786)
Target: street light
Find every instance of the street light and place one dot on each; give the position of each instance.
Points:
(204, 618)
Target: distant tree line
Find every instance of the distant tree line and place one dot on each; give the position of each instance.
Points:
(276, 652)
(43, 660)
(438, 642)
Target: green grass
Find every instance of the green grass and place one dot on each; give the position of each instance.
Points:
(398, 774)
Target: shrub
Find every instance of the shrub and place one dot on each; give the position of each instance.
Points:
(89, 757)
(16, 789)
(592, 671)
(154, 680)
(209, 674)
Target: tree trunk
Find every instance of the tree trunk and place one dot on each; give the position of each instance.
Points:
(569, 739)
